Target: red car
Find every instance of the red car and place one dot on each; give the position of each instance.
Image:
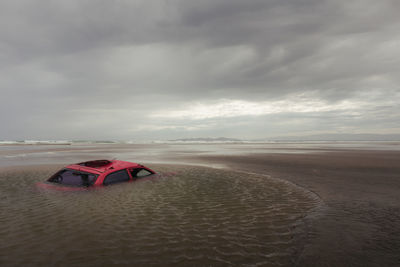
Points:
(97, 173)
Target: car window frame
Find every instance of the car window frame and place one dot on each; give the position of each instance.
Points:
(121, 170)
(96, 176)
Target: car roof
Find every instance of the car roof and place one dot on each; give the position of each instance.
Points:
(102, 166)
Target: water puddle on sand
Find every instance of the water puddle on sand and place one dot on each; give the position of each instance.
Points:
(198, 217)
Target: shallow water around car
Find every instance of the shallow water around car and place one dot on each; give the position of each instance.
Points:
(196, 216)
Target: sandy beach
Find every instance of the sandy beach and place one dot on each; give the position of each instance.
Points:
(357, 222)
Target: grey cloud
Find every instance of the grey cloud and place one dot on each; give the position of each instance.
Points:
(112, 57)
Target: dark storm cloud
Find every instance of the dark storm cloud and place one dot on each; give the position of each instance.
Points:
(77, 61)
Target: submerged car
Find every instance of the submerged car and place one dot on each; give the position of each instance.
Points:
(97, 173)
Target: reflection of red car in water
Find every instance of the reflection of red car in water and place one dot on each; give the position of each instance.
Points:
(96, 173)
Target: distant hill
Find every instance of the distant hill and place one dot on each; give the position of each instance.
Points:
(206, 139)
(339, 137)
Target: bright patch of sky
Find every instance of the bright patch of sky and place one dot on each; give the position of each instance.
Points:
(234, 108)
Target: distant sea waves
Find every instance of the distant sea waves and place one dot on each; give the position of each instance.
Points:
(57, 142)
(36, 142)
(70, 142)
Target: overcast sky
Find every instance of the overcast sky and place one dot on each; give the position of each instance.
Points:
(144, 70)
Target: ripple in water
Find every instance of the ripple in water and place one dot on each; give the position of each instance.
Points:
(198, 217)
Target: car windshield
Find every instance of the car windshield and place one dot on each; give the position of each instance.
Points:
(73, 178)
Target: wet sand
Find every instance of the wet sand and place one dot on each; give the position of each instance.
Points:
(359, 224)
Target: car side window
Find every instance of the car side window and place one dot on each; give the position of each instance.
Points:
(116, 177)
(140, 172)
(73, 178)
